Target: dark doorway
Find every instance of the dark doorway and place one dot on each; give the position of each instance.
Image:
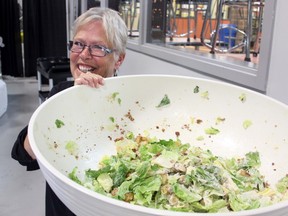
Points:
(44, 26)
(11, 54)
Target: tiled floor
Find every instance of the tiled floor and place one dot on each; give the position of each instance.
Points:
(21, 192)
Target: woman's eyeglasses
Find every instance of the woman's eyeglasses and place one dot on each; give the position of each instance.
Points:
(94, 50)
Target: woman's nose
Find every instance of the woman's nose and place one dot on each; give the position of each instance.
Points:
(86, 52)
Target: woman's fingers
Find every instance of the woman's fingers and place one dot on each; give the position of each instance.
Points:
(90, 79)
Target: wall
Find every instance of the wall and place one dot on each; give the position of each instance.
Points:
(3, 97)
(138, 63)
(277, 83)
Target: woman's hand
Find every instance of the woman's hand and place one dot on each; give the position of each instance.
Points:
(90, 79)
(28, 148)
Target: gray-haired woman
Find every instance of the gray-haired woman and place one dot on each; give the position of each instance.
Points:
(97, 50)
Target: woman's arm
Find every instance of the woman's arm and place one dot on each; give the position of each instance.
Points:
(20, 154)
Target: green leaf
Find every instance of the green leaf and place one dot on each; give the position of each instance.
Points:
(74, 177)
(145, 189)
(205, 95)
(242, 97)
(72, 147)
(59, 123)
(185, 194)
(112, 119)
(95, 173)
(165, 101)
(114, 95)
(282, 185)
(246, 124)
(123, 189)
(212, 131)
(105, 181)
(253, 159)
(120, 174)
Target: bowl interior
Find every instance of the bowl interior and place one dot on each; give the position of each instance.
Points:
(94, 118)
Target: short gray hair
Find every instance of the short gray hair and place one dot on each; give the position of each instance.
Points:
(114, 26)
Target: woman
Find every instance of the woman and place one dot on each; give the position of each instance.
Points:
(97, 51)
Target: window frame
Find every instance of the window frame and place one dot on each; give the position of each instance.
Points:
(244, 73)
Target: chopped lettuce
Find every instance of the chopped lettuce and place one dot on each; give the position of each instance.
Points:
(246, 124)
(72, 147)
(115, 97)
(165, 101)
(243, 97)
(73, 176)
(167, 174)
(112, 119)
(211, 131)
(282, 185)
(105, 181)
(205, 95)
(59, 123)
(166, 159)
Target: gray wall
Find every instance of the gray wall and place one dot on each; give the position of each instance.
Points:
(277, 85)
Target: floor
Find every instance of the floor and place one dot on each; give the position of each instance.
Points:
(237, 54)
(22, 192)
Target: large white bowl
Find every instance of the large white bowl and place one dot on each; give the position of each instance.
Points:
(87, 112)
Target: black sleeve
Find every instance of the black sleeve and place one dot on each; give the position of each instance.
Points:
(18, 151)
(59, 87)
(54, 206)
(20, 154)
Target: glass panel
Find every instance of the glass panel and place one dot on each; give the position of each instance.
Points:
(231, 29)
(130, 12)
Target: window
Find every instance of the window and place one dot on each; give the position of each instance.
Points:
(156, 29)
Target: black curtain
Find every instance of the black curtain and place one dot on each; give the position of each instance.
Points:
(114, 4)
(11, 54)
(44, 23)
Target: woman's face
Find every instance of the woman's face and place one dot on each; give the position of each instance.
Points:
(93, 33)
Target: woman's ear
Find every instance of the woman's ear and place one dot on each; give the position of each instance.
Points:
(119, 61)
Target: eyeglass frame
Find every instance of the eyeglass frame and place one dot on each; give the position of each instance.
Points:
(106, 50)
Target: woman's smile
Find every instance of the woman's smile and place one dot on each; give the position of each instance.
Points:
(86, 68)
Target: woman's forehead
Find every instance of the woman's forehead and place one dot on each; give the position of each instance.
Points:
(92, 31)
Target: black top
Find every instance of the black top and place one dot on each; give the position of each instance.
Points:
(54, 206)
